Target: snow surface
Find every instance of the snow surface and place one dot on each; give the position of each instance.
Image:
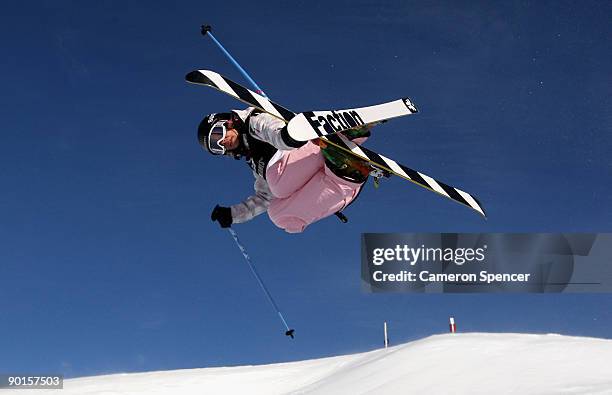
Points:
(472, 363)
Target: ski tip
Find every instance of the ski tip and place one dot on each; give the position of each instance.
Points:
(195, 77)
(410, 105)
(290, 333)
(480, 209)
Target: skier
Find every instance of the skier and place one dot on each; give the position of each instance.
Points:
(297, 183)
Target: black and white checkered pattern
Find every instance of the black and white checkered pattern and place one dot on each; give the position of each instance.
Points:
(217, 81)
(405, 172)
(225, 85)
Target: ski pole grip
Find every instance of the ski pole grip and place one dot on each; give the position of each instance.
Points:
(205, 29)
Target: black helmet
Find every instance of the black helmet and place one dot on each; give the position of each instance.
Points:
(211, 130)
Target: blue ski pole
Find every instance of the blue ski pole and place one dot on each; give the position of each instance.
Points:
(206, 30)
(289, 331)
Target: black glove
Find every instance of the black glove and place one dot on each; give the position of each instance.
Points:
(223, 215)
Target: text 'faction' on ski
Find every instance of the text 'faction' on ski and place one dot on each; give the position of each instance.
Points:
(314, 124)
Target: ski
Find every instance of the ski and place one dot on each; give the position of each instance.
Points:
(314, 124)
(379, 163)
(217, 81)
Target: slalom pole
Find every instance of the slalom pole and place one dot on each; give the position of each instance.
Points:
(289, 331)
(206, 30)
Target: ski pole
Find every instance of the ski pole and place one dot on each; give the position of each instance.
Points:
(289, 331)
(206, 30)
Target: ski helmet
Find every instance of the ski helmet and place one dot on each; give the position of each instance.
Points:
(212, 130)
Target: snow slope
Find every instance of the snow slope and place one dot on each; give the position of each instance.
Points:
(472, 363)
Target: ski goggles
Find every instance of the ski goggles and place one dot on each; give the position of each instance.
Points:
(215, 135)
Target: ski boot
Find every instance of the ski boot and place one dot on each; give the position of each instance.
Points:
(353, 134)
(344, 165)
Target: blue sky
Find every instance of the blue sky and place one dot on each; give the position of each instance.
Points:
(109, 259)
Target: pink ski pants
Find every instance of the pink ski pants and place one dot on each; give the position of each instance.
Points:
(305, 189)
